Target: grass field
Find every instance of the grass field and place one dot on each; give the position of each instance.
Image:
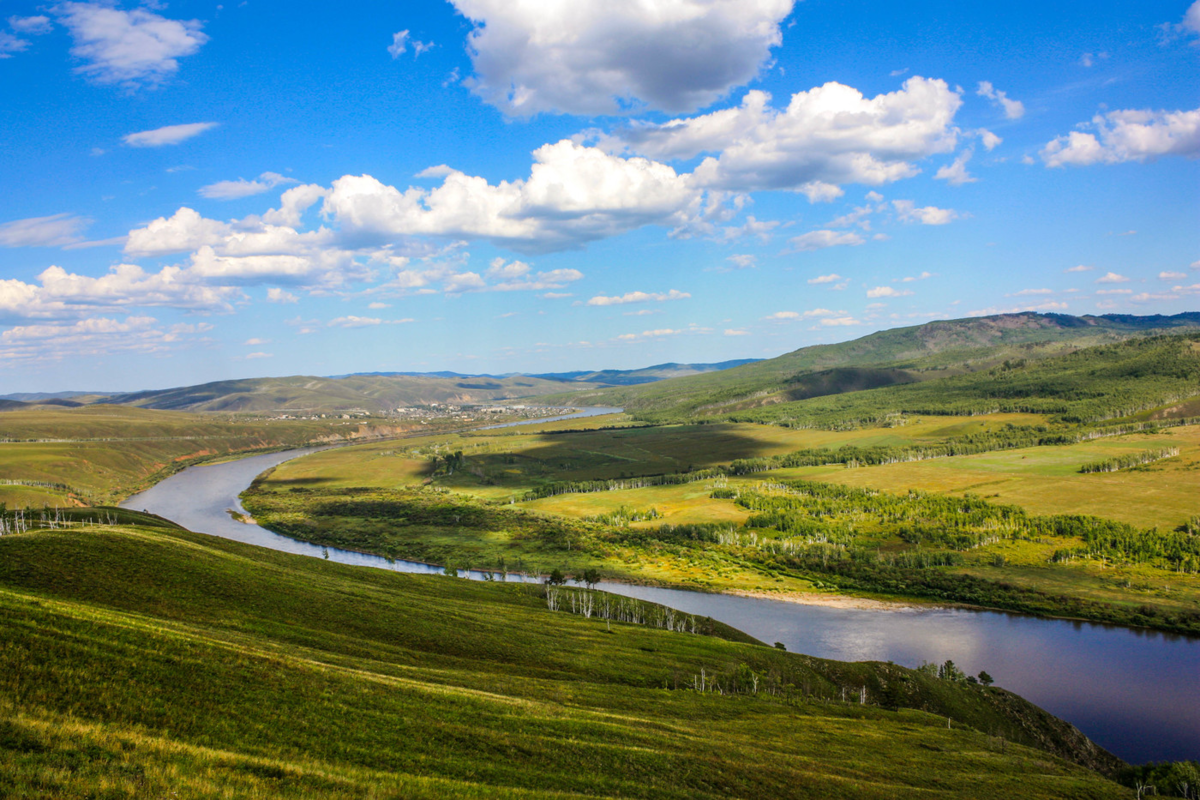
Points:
(499, 467)
(151, 662)
(100, 454)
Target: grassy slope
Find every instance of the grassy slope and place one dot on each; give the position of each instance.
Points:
(141, 661)
(104, 453)
(900, 355)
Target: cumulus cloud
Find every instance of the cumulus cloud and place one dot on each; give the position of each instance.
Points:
(782, 315)
(654, 334)
(1112, 277)
(1079, 268)
(638, 297)
(827, 136)
(235, 190)
(907, 211)
(184, 230)
(1191, 20)
(612, 56)
(32, 26)
(61, 294)
(574, 194)
(887, 291)
(819, 240)
(839, 321)
(277, 295)
(1171, 276)
(736, 332)
(56, 230)
(956, 173)
(1129, 135)
(1013, 109)
(990, 140)
(131, 48)
(743, 260)
(171, 134)
(832, 277)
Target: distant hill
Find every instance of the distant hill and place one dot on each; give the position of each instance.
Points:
(380, 391)
(611, 377)
(374, 393)
(901, 355)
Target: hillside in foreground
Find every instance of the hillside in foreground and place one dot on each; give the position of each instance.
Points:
(145, 661)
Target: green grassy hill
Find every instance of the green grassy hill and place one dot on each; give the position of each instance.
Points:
(146, 661)
(902, 355)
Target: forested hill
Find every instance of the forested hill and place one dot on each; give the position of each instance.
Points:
(902, 355)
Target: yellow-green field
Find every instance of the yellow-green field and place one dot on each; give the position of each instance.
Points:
(103, 453)
(1046, 480)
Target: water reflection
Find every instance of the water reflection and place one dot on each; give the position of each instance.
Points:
(1134, 692)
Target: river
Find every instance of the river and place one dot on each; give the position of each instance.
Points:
(1134, 692)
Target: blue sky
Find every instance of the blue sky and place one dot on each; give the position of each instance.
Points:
(196, 191)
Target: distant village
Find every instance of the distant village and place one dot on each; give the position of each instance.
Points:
(436, 412)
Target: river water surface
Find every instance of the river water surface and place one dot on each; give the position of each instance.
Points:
(1134, 692)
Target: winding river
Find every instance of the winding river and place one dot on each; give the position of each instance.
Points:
(1134, 692)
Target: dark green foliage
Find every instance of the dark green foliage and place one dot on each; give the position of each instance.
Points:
(1165, 779)
(1131, 460)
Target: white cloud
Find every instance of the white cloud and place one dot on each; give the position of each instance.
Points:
(1114, 291)
(354, 322)
(59, 294)
(840, 321)
(574, 195)
(1043, 307)
(638, 297)
(1079, 268)
(910, 278)
(887, 291)
(1171, 276)
(33, 26)
(990, 140)
(1129, 135)
(255, 342)
(1030, 292)
(400, 42)
(782, 315)
(832, 277)
(293, 204)
(956, 173)
(654, 334)
(743, 260)
(827, 136)
(98, 337)
(907, 211)
(1112, 277)
(611, 56)
(821, 312)
(1013, 109)
(736, 332)
(818, 240)
(1191, 19)
(132, 48)
(171, 134)
(277, 295)
(53, 231)
(499, 268)
(235, 190)
(183, 231)
(250, 356)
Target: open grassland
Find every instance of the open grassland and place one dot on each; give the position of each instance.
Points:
(99, 454)
(147, 662)
(1046, 480)
(691, 533)
(504, 462)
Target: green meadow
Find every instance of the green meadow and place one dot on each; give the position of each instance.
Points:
(146, 661)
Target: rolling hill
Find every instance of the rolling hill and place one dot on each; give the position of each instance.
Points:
(898, 356)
